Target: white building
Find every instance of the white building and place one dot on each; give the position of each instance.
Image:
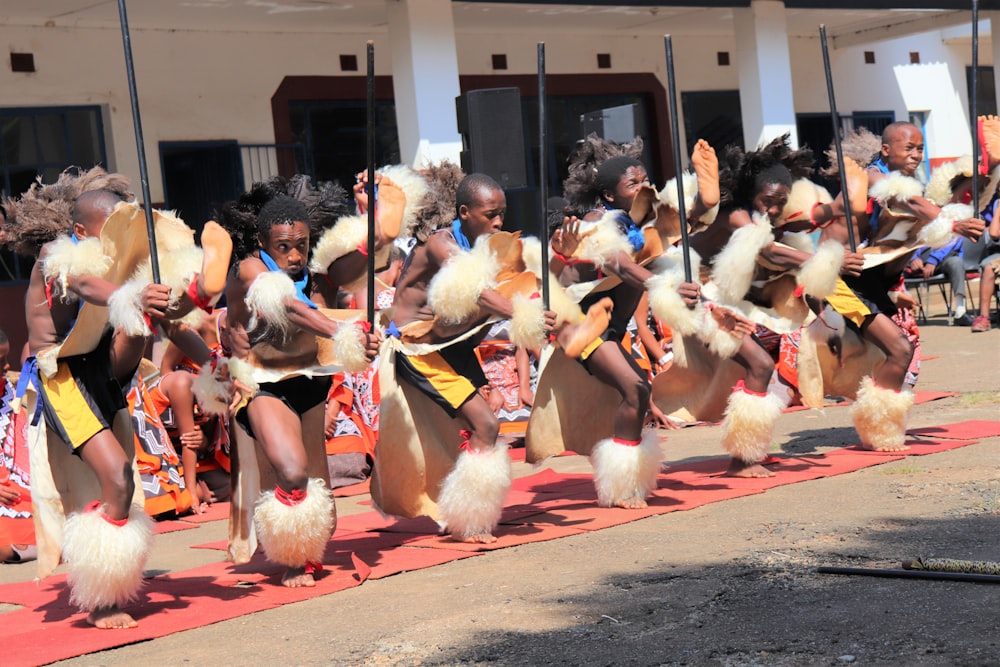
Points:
(231, 91)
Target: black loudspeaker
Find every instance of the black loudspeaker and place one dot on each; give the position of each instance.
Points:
(489, 121)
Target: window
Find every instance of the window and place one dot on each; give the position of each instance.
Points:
(986, 104)
(43, 141)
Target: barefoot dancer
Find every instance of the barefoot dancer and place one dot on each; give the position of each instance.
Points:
(609, 188)
(274, 325)
(898, 220)
(82, 366)
(444, 297)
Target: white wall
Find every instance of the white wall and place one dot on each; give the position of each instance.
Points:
(203, 86)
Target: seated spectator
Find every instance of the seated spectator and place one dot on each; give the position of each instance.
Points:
(948, 261)
(17, 530)
(988, 270)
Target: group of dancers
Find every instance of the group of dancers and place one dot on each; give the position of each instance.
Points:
(768, 248)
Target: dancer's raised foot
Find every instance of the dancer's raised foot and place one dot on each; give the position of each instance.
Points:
(857, 185)
(111, 618)
(991, 135)
(740, 468)
(575, 338)
(706, 168)
(388, 212)
(218, 249)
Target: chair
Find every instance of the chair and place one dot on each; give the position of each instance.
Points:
(972, 253)
(922, 289)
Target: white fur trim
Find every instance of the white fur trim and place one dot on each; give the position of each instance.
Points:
(896, 186)
(213, 394)
(106, 561)
(414, 187)
(266, 300)
(748, 425)
(531, 254)
(938, 188)
(668, 305)
(818, 275)
(604, 242)
(527, 324)
(879, 415)
(243, 372)
(472, 494)
(735, 264)
(799, 240)
(294, 535)
(668, 195)
(680, 352)
(349, 346)
(340, 240)
(65, 260)
(938, 232)
(622, 471)
(721, 343)
(125, 309)
(801, 198)
(560, 303)
(453, 293)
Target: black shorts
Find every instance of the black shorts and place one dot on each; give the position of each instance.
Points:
(299, 393)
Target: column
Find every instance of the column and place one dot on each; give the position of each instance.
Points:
(424, 79)
(765, 73)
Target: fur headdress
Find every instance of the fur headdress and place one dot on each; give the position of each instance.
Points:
(738, 171)
(860, 145)
(45, 212)
(580, 187)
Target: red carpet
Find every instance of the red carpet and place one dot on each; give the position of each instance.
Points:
(544, 506)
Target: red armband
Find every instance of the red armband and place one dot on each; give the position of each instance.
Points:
(197, 299)
(363, 248)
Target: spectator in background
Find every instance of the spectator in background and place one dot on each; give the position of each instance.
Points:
(948, 261)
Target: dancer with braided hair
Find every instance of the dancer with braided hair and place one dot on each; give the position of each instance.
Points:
(608, 191)
(91, 240)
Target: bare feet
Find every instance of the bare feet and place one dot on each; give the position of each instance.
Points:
(479, 538)
(738, 468)
(991, 133)
(575, 338)
(297, 577)
(884, 448)
(633, 503)
(388, 212)
(111, 618)
(706, 167)
(218, 248)
(857, 185)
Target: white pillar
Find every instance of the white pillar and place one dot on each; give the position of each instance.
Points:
(424, 79)
(994, 18)
(765, 73)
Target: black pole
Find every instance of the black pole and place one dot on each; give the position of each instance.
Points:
(974, 105)
(912, 574)
(140, 146)
(836, 141)
(678, 165)
(543, 181)
(370, 185)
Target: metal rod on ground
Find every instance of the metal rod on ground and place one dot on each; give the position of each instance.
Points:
(912, 574)
(140, 146)
(543, 181)
(974, 105)
(678, 165)
(836, 141)
(370, 185)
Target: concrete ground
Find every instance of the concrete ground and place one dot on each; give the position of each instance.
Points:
(731, 583)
